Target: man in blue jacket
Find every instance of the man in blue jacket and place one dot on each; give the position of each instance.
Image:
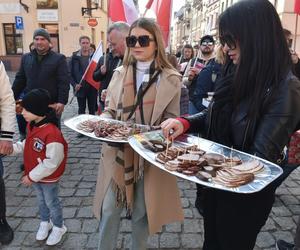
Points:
(44, 68)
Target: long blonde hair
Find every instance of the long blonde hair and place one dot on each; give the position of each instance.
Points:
(150, 25)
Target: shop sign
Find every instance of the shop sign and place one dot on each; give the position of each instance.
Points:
(47, 15)
(92, 22)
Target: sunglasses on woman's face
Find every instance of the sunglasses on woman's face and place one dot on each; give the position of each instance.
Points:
(228, 40)
(144, 41)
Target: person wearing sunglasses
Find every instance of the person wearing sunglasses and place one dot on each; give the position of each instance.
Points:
(205, 56)
(255, 109)
(294, 55)
(145, 90)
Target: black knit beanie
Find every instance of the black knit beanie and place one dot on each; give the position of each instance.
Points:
(36, 102)
(41, 32)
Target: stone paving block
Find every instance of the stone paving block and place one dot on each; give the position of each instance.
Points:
(13, 177)
(90, 178)
(68, 184)
(191, 226)
(30, 202)
(174, 227)
(295, 209)
(289, 199)
(72, 159)
(13, 183)
(14, 223)
(85, 184)
(285, 222)
(75, 241)
(265, 239)
(71, 201)
(31, 242)
(281, 211)
(90, 226)
(283, 235)
(18, 238)
(153, 241)
(69, 212)
(294, 190)
(282, 190)
(291, 183)
(10, 211)
(24, 192)
(76, 172)
(13, 201)
(88, 201)
(73, 225)
(27, 212)
(30, 225)
(184, 185)
(169, 240)
(66, 192)
(188, 213)
(192, 240)
(75, 177)
(185, 202)
(9, 247)
(196, 213)
(270, 225)
(85, 212)
(82, 192)
(93, 241)
(190, 193)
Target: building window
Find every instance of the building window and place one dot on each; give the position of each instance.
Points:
(13, 41)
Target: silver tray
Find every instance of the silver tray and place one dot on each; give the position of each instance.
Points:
(74, 121)
(269, 173)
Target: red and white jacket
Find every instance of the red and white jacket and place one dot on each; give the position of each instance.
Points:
(45, 153)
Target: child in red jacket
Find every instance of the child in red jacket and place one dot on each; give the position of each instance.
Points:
(45, 155)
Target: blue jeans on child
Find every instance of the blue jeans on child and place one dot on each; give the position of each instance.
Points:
(111, 218)
(49, 203)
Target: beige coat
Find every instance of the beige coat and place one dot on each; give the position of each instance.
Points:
(162, 199)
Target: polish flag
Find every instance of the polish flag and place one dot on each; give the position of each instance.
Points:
(297, 7)
(88, 74)
(122, 10)
(162, 10)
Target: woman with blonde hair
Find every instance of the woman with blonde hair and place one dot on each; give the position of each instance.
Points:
(146, 90)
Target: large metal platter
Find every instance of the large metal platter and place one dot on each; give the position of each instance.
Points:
(269, 173)
(74, 121)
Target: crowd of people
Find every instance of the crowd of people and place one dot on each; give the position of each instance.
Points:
(239, 89)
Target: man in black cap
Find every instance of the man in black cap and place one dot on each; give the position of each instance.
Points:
(204, 57)
(44, 68)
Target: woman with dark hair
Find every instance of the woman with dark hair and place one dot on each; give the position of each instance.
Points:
(255, 109)
(146, 90)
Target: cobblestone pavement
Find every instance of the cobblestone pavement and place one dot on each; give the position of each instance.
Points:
(78, 186)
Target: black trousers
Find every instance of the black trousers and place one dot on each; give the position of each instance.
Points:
(90, 98)
(2, 199)
(232, 221)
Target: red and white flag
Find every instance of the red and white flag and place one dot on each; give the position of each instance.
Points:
(162, 10)
(88, 74)
(122, 10)
(297, 7)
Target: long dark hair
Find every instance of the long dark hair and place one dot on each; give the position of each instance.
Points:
(264, 55)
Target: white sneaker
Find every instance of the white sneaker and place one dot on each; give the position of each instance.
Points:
(43, 231)
(56, 235)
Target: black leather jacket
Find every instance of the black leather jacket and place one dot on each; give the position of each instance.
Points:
(270, 132)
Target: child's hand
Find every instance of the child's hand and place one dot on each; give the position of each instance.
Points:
(26, 181)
